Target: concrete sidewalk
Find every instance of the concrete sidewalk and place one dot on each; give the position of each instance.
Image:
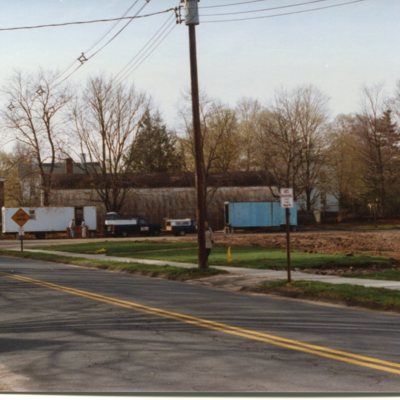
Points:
(240, 274)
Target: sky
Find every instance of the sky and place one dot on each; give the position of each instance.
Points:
(339, 50)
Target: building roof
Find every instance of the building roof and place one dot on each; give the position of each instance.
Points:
(158, 180)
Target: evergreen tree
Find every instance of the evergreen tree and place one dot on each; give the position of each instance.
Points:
(154, 148)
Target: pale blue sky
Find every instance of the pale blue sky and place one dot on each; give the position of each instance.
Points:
(339, 50)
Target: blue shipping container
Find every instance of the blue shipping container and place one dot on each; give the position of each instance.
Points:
(257, 214)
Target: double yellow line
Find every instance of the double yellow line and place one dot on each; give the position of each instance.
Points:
(326, 352)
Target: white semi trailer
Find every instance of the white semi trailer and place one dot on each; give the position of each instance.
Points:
(48, 219)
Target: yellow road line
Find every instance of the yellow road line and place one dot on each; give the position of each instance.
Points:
(326, 352)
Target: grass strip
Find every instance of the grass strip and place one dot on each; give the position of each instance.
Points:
(242, 256)
(385, 275)
(166, 272)
(351, 295)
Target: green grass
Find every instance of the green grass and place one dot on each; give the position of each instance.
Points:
(386, 275)
(353, 295)
(168, 272)
(247, 257)
(122, 248)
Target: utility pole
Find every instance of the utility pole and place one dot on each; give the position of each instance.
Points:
(191, 20)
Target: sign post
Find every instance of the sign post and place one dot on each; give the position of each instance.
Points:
(286, 195)
(21, 217)
(21, 237)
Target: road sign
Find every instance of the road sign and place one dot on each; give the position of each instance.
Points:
(21, 217)
(286, 195)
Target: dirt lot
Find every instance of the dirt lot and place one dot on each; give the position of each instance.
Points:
(385, 243)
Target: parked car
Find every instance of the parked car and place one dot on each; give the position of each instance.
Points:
(117, 226)
(180, 227)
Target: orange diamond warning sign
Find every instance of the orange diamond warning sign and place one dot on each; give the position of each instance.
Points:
(21, 217)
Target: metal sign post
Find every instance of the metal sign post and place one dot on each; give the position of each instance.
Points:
(286, 195)
(21, 217)
(21, 237)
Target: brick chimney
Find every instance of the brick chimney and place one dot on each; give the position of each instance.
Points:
(69, 166)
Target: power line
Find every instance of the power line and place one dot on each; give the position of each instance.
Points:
(144, 48)
(68, 76)
(150, 50)
(113, 26)
(266, 9)
(92, 21)
(120, 31)
(83, 58)
(91, 47)
(233, 4)
(284, 14)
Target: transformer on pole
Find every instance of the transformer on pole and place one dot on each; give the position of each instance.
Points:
(191, 12)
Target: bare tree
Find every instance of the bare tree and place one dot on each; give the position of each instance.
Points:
(378, 146)
(344, 168)
(249, 115)
(290, 143)
(220, 141)
(22, 179)
(278, 150)
(312, 115)
(107, 117)
(34, 116)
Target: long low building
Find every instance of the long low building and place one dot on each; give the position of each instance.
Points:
(159, 196)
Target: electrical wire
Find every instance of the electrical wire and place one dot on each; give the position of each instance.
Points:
(284, 14)
(120, 31)
(266, 9)
(112, 28)
(66, 71)
(233, 4)
(143, 48)
(167, 33)
(140, 60)
(66, 77)
(83, 58)
(84, 22)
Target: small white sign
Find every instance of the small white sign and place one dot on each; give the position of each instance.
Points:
(286, 192)
(286, 195)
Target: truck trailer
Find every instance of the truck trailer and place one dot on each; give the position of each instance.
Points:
(257, 215)
(44, 220)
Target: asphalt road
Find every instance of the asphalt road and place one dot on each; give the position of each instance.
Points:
(71, 329)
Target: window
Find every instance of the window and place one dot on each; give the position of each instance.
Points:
(32, 213)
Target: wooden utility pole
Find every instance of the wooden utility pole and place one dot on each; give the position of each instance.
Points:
(191, 20)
